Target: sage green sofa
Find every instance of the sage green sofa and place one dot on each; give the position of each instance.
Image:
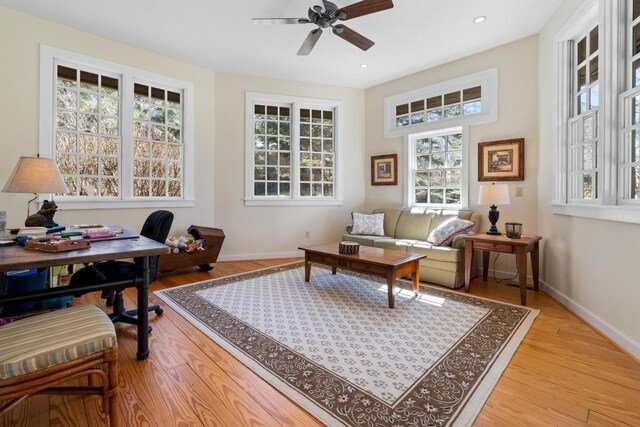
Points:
(406, 229)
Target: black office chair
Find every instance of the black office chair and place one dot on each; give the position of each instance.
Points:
(156, 227)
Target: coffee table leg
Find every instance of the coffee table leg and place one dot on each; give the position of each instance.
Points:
(390, 280)
(307, 267)
(334, 270)
(416, 278)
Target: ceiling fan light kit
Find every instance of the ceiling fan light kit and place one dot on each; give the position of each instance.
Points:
(328, 16)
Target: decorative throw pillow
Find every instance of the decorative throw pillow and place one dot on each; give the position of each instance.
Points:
(368, 224)
(443, 234)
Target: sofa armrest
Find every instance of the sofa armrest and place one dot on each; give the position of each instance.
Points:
(458, 242)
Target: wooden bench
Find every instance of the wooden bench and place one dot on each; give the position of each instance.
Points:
(39, 353)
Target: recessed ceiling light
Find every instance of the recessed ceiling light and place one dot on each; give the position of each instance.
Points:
(479, 19)
(363, 65)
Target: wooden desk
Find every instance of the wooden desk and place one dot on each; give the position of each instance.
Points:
(14, 258)
(488, 243)
(375, 261)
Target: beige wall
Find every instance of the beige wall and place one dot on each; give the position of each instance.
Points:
(220, 128)
(259, 231)
(20, 37)
(588, 262)
(517, 65)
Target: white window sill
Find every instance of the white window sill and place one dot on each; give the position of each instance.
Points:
(630, 214)
(122, 204)
(290, 202)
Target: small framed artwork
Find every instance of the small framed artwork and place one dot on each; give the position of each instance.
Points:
(501, 160)
(384, 169)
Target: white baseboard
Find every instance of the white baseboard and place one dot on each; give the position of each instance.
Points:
(270, 255)
(593, 320)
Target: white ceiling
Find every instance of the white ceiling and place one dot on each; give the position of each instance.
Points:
(219, 35)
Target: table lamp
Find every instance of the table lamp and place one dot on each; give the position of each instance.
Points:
(37, 175)
(494, 195)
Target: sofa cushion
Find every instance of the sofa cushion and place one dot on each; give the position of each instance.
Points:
(367, 224)
(363, 240)
(443, 234)
(414, 224)
(436, 253)
(394, 244)
(391, 216)
(39, 342)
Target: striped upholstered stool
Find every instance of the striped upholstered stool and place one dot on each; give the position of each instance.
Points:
(39, 353)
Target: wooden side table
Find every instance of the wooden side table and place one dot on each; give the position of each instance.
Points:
(489, 243)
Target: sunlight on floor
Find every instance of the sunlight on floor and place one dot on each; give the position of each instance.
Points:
(409, 294)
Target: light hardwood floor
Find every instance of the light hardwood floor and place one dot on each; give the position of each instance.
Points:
(563, 374)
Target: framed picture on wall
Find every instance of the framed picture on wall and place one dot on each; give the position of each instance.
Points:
(501, 160)
(384, 169)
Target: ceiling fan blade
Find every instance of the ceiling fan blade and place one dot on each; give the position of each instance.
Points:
(280, 21)
(329, 7)
(364, 7)
(310, 42)
(352, 37)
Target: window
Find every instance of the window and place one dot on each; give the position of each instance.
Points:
(293, 151)
(466, 100)
(437, 174)
(629, 171)
(442, 106)
(598, 145)
(88, 132)
(584, 125)
(157, 149)
(120, 136)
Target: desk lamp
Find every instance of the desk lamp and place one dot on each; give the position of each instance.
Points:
(494, 195)
(36, 175)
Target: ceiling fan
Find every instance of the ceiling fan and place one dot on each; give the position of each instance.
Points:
(328, 17)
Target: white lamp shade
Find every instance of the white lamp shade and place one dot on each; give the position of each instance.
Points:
(494, 194)
(35, 175)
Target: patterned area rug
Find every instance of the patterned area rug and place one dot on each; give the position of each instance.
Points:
(335, 348)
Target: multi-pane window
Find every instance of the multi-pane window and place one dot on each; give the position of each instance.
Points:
(272, 150)
(443, 106)
(118, 134)
(467, 100)
(157, 149)
(292, 150)
(584, 167)
(598, 114)
(629, 156)
(87, 131)
(437, 173)
(316, 153)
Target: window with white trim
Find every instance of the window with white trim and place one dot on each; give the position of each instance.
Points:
(598, 144)
(584, 126)
(293, 150)
(120, 136)
(438, 107)
(466, 100)
(629, 171)
(437, 169)
(87, 138)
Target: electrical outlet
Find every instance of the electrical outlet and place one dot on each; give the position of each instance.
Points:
(519, 191)
(307, 234)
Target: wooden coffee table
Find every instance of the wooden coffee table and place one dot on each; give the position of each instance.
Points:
(374, 261)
